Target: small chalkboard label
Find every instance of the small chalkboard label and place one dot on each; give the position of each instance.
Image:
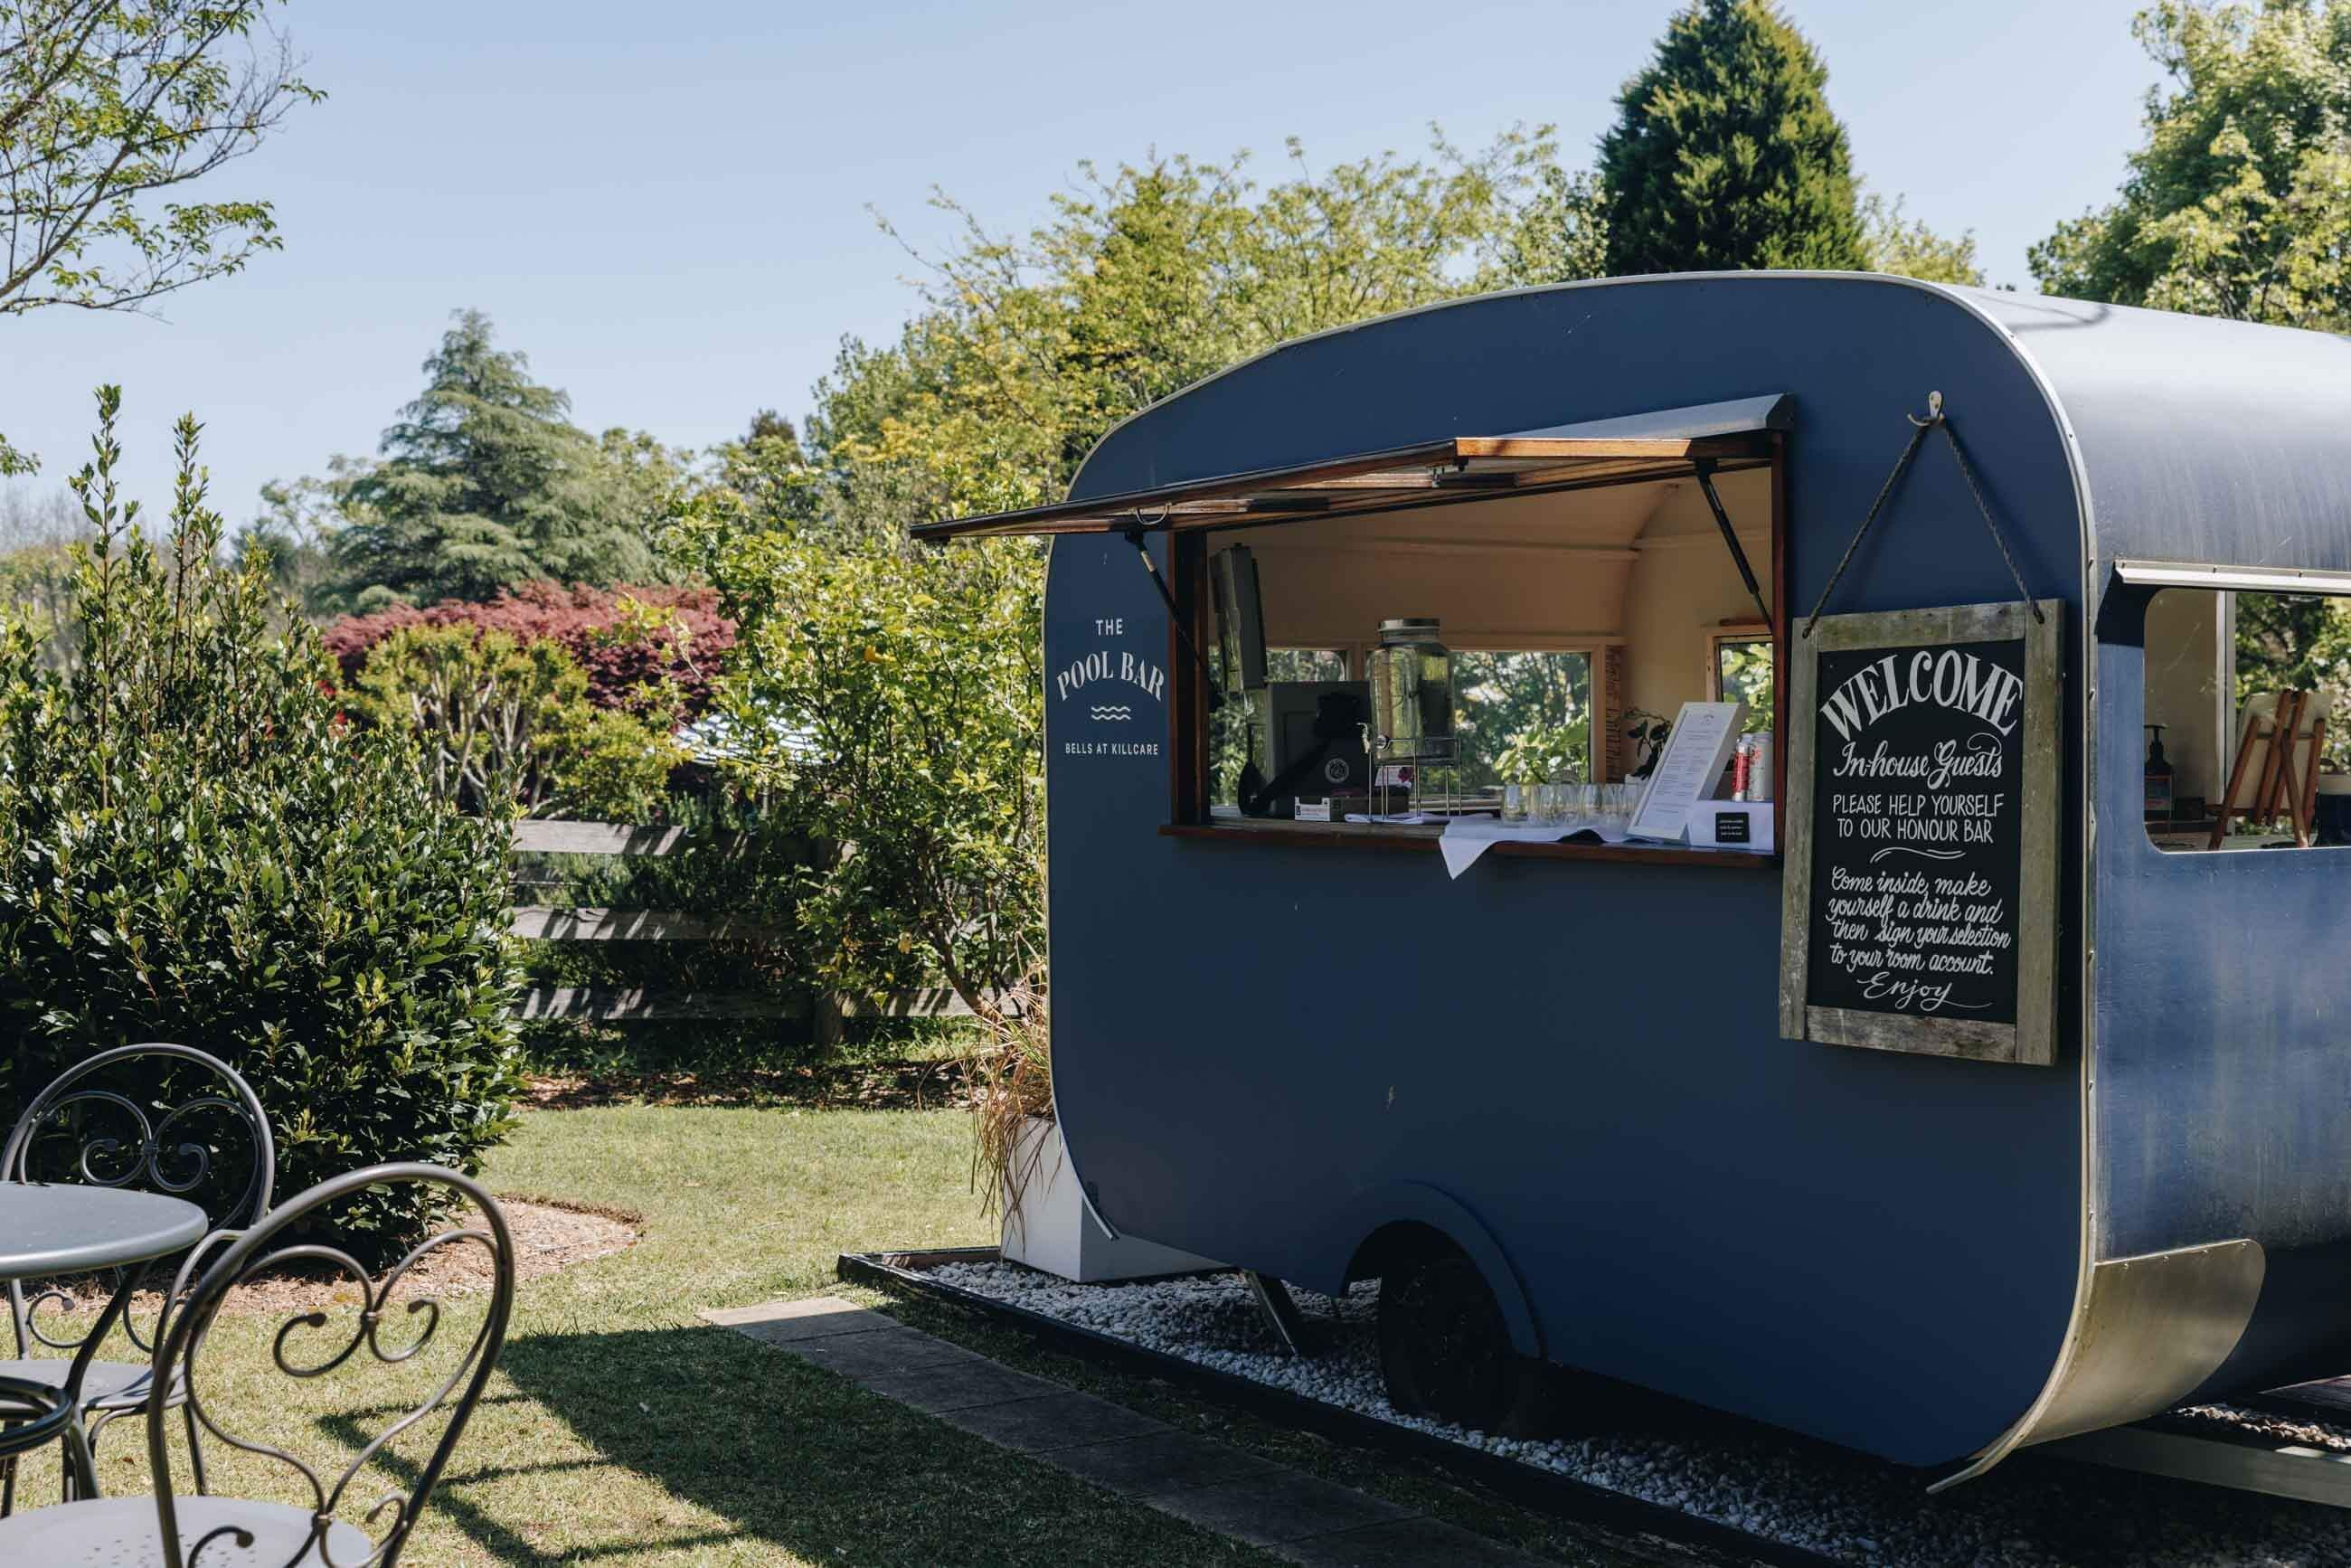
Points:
(1731, 828)
(1919, 910)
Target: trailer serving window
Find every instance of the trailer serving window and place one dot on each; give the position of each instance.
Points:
(1571, 588)
(2247, 710)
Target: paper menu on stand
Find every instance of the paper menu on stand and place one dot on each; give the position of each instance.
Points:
(1697, 750)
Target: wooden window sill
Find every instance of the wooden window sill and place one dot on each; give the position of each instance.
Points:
(1423, 840)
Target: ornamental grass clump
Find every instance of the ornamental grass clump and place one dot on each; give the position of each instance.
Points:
(196, 845)
(1009, 1074)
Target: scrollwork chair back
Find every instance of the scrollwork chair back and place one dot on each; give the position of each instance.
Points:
(389, 1325)
(154, 1116)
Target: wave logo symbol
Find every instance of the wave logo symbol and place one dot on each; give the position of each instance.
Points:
(1118, 713)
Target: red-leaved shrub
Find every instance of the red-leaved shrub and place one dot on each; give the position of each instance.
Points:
(623, 651)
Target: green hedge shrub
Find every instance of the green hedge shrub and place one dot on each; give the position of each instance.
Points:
(200, 847)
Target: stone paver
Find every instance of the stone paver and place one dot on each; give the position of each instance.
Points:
(1161, 1462)
(881, 1352)
(1413, 1543)
(953, 1385)
(1059, 1420)
(1273, 1511)
(777, 1322)
(1295, 1516)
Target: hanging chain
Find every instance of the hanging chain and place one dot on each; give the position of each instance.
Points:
(1936, 420)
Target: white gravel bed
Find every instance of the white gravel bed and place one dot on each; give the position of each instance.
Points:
(2027, 1513)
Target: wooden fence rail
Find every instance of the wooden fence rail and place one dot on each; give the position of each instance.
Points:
(546, 923)
(554, 923)
(595, 839)
(634, 1002)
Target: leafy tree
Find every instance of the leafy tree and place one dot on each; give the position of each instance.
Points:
(1505, 697)
(38, 522)
(36, 568)
(37, 592)
(1725, 155)
(2237, 203)
(771, 476)
(891, 702)
(1028, 347)
(483, 483)
(1560, 236)
(769, 425)
(2289, 640)
(1911, 249)
(288, 539)
(104, 104)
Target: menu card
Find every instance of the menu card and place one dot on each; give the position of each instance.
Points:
(1697, 750)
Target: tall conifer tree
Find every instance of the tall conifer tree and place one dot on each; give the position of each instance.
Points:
(1725, 154)
(485, 483)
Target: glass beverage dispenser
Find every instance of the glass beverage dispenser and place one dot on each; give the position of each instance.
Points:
(1410, 740)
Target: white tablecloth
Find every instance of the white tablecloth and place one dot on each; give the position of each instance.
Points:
(1467, 838)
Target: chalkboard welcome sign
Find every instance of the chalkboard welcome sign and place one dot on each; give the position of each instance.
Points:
(1920, 903)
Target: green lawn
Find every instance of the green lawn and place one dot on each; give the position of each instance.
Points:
(620, 1429)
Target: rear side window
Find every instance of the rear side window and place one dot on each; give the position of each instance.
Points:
(2248, 738)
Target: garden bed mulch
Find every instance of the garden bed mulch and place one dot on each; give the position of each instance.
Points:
(549, 1237)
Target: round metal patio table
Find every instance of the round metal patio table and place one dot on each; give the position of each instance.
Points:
(49, 1229)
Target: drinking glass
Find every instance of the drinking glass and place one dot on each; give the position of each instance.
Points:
(1514, 801)
(1616, 803)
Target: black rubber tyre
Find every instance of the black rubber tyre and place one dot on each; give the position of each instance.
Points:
(1445, 1350)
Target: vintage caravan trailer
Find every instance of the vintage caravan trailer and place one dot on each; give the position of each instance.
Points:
(1964, 1104)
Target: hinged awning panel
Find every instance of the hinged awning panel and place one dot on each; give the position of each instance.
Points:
(1662, 444)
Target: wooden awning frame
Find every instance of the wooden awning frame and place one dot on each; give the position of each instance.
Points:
(1443, 471)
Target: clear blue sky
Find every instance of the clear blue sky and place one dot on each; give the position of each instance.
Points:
(666, 206)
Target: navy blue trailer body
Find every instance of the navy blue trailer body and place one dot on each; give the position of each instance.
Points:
(1573, 1069)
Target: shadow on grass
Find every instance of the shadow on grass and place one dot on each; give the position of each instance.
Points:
(782, 1452)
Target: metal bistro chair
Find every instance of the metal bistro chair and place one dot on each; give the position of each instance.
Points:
(173, 1531)
(213, 1148)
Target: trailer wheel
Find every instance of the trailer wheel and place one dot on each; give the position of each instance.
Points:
(1444, 1349)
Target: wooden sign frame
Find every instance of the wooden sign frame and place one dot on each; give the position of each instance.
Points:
(2031, 1039)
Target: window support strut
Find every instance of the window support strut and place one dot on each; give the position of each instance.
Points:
(1133, 532)
(1705, 469)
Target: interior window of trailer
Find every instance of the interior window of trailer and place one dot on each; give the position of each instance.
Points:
(1741, 673)
(1512, 701)
(1306, 663)
(2247, 743)
(1235, 727)
(1403, 668)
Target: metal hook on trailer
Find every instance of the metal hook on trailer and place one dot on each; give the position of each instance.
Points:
(1936, 420)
